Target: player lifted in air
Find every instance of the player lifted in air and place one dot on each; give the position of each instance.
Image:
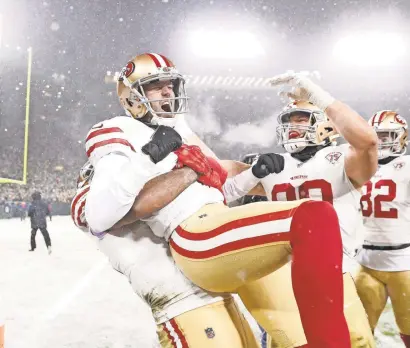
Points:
(316, 169)
(385, 255)
(186, 316)
(178, 192)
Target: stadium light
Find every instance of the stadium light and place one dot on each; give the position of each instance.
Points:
(236, 44)
(371, 48)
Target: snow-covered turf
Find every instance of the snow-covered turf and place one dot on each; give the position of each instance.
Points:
(74, 299)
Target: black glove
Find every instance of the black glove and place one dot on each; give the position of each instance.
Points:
(268, 163)
(164, 141)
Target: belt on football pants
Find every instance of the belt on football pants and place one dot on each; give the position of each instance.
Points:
(386, 247)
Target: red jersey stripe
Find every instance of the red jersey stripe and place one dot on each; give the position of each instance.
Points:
(98, 132)
(108, 142)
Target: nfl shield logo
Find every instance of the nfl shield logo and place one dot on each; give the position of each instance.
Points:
(210, 333)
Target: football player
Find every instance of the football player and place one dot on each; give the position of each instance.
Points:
(185, 315)
(316, 169)
(280, 302)
(385, 254)
(216, 247)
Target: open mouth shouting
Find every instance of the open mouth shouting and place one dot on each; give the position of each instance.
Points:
(166, 106)
(294, 134)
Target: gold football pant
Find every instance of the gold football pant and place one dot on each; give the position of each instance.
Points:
(272, 303)
(217, 325)
(224, 249)
(220, 250)
(374, 287)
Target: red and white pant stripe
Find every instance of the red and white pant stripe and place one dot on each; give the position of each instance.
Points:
(175, 334)
(235, 235)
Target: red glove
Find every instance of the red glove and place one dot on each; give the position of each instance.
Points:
(191, 156)
(210, 171)
(217, 175)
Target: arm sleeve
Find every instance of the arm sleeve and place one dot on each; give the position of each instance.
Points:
(116, 183)
(239, 185)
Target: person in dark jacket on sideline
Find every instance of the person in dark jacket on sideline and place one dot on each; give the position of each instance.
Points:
(38, 212)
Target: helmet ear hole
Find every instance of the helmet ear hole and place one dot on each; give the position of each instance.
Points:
(130, 104)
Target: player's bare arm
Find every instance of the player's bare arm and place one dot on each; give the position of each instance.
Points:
(211, 171)
(158, 193)
(234, 167)
(361, 161)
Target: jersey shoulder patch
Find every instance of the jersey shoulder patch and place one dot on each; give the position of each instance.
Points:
(334, 154)
(400, 166)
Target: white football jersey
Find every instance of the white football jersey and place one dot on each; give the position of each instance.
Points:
(126, 136)
(386, 204)
(322, 177)
(147, 263)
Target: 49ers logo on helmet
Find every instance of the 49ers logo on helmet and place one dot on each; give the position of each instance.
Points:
(399, 119)
(127, 70)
